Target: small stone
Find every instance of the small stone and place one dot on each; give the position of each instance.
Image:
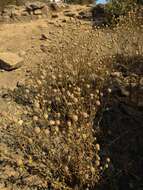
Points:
(38, 12)
(115, 74)
(39, 16)
(124, 92)
(24, 13)
(43, 37)
(54, 15)
(64, 20)
(10, 61)
(70, 14)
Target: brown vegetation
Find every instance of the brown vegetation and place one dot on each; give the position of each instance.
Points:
(77, 108)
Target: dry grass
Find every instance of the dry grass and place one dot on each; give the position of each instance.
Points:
(55, 144)
(63, 100)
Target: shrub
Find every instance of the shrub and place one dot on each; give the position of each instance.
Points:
(117, 7)
(57, 141)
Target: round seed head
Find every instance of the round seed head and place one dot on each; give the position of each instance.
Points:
(51, 122)
(97, 147)
(97, 163)
(37, 130)
(74, 118)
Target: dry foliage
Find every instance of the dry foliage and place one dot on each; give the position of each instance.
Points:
(55, 144)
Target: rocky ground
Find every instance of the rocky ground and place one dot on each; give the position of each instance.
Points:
(31, 43)
(28, 40)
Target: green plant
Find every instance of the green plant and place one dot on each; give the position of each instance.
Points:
(117, 7)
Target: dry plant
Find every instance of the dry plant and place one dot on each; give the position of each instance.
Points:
(55, 144)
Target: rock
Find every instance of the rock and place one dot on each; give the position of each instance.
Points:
(54, 15)
(45, 10)
(55, 6)
(5, 18)
(38, 12)
(20, 83)
(99, 15)
(51, 22)
(64, 20)
(10, 61)
(6, 12)
(70, 14)
(34, 6)
(124, 92)
(39, 16)
(44, 37)
(15, 13)
(81, 13)
(115, 74)
(44, 48)
(24, 13)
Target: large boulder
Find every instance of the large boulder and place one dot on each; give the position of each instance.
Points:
(32, 6)
(100, 16)
(10, 61)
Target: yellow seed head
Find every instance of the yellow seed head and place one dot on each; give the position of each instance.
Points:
(35, 118)
(20, 122)
(97, 147)
(57, 122)
(97, 163)
(30, 141)
(46, 131)
(75, 118)
(45, 116)
(51, 122)
(37, 130)
(92, 170)
(108, 160)
(106, 166)
(69, 124)
(85, 115)
(98, 103)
